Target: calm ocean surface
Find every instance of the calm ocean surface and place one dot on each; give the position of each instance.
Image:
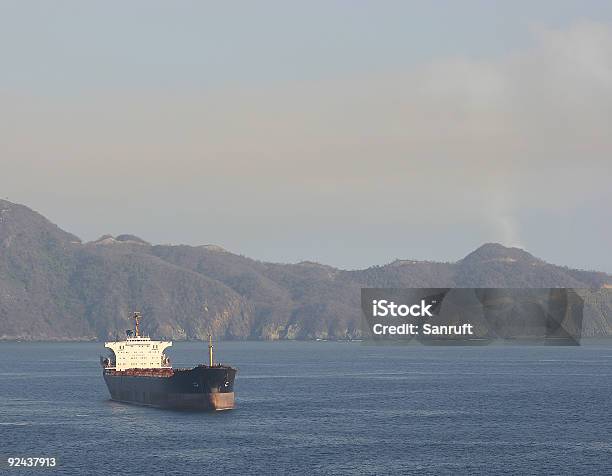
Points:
(322, 408)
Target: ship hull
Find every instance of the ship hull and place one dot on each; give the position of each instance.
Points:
(201, 388)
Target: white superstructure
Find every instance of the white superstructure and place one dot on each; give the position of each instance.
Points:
(138, 352)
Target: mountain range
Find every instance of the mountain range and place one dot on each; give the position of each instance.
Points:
(53, 286)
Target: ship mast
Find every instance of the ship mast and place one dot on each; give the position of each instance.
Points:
(210, 350)
(137, 317)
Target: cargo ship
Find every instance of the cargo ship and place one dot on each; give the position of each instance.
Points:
(137, 371)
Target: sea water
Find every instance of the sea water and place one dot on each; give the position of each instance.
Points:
(321, 408)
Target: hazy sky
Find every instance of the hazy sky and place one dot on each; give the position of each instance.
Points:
(350, 133)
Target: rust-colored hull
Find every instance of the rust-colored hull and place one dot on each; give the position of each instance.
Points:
(200, 388)
(210, 402)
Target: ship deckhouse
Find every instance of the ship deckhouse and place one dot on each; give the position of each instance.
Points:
(137, 352)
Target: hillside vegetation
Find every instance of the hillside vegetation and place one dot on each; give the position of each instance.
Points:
(55, 287)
